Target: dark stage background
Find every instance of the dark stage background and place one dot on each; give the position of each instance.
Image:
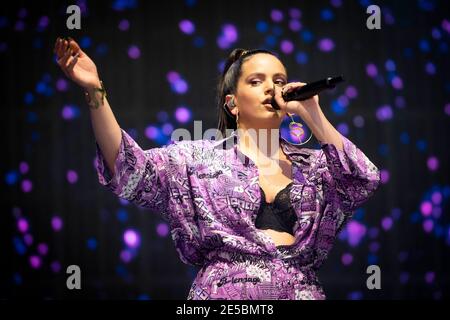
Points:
(159, 62)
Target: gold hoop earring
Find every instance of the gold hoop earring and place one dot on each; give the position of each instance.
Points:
(296, 129)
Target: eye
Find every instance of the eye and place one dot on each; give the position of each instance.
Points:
(254, 82)
(280, 82)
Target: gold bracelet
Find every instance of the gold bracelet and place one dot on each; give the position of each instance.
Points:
(96, 104)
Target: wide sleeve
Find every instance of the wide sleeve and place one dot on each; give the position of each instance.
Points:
(139, 176)
(349, 178)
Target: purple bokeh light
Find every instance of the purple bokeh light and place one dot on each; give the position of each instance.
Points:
(35, 262)
(186, 26)
(126, 256)
(152, 132)
(72, 176)
(162, 229)
(386, 223)
(228, 36)
(42, 249)
(428, 225)
(62, 85)
(426, 208)
(276, 15)
(55, 266)
(295, 25)
(436, 197)
(336, 3)
(69, 112)
(433, 163)
(180, 86)
(182, 114)
(351, 92)
(326, 45)
(343, 129)
(400, 102)
(356, 231)
(429, 277)
(287, 46)
(384, 113)
(447, 109)
(28, 239)
(358, 121)
(397, 83)
(371, 70)
(124, 25)
(346, 259)
(295, 13)
(27, 186)
(57, 223)
(167, 129)
(384, 176)
(173, 76)
(22, 225)
(43, 23)
(131, 238)
(134, 52)
(430, 68)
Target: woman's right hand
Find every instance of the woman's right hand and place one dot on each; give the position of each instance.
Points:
(76, 64)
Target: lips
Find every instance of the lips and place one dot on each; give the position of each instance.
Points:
(270, 104)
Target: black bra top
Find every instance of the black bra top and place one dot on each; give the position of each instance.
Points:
(278, 215)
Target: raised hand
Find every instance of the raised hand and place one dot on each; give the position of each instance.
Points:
(76, 64)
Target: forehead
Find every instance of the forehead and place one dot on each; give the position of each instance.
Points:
(262, 63)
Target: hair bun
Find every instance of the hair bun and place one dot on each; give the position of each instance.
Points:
(234, 56)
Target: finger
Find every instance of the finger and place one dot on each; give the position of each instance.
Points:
(62, 48)
(291, 86)
(71, 62)
(287, 88)
(278, 97)
(65, 57)
(76, 48)
(58, 48)
(60, 51)
(55, 49)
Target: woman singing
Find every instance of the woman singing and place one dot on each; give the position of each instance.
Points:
(258, 217)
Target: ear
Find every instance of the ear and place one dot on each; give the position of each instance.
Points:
(229, 103)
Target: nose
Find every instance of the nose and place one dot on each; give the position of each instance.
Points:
(270, 90)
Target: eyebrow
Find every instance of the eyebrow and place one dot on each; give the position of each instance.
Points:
(262, 74)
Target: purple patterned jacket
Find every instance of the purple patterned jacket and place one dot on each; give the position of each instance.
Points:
(208, 191)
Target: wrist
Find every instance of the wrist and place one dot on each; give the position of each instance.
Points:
(95, 95)
(92, 86)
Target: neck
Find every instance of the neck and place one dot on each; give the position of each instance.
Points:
(259, 142)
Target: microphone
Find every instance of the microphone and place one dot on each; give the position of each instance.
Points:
(309, 90)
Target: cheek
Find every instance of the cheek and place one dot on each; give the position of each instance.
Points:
(250, 97)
